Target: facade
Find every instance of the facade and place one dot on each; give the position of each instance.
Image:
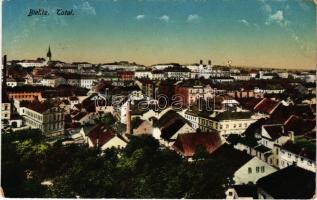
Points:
(32, 63)
(5, 110)
(252, 171)
(48, 118)
(226, 122)
(87, 82)
(291, 153)
(188, 94)
(53, 81)
(27, 96)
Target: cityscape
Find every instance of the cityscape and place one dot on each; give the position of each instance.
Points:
(98, 102)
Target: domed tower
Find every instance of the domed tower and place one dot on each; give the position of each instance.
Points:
(49, 54)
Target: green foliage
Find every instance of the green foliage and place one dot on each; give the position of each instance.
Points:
(142, 170)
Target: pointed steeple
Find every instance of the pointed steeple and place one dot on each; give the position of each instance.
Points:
(49, 54)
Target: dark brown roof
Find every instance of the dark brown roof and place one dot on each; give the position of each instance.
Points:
(289, 183)
(171, 128)
(298, 125)
(230, 157)
(275, 131)
(304, 148)
(79, 116)
(186, 144)
(37, 106)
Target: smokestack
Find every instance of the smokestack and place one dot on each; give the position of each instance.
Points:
(128, 131)
(291, 135)
(201, 62)
(209, 62)
(4, 71)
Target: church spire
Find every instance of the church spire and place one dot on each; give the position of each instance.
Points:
(49, 54)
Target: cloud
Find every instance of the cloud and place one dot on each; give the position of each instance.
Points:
(85, 8)
(139, 17)
(265, 6)
(194, 18)
(245, 22)
(277, 17)
(164, 18)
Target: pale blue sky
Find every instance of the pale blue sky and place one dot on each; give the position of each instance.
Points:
(267, 33)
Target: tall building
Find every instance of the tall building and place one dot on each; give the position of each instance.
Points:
(49, 54)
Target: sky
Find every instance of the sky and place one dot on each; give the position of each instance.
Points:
(261, 33)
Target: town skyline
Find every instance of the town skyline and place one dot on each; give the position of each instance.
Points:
(274, 34)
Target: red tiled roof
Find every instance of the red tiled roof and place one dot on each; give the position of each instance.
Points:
(100, 135)
(186, 143)
(266, 106)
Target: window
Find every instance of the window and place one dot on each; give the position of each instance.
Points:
(249, 170)
(230, 193)
(277, 151)
(234, 126)
(257, 169)
(262, 169)
(289, 155)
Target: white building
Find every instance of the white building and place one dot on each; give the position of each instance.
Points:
(87, 82)
(32, 63)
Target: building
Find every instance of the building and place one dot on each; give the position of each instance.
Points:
(300, 152)
(32, 63)
(87, 81)
(226, 122)
(27, 93)
(247, 192)
(143, 74)
(169, 126)
(49, 53)
(177, 73)
(13, 82)
(289, 183)
(103, 137)
(5, 109)
(186, 144)
(44, 116)
(53, 80)
(189, 92)
(244, 168)
(125, 75)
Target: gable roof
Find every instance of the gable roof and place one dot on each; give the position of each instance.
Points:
(100, 135)
(231, 157)
(289, 183)
(275, 131)
(246, 191)
(172, 127)
(298, 125)
(167, 118)
(186, 143)
(266, 106)
(304, 148)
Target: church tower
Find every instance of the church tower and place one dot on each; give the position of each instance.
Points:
(49, 54)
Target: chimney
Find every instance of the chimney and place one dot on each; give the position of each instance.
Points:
(291, 135)
(97, 142)
(4, 71)
(128, 131)
(209, 62)
(201, 62)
